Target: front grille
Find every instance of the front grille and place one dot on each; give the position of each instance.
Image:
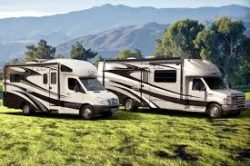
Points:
(238, 99)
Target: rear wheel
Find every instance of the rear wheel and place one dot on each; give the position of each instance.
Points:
(26, 109)
(87, 112)
(129, 105)
(214, 111)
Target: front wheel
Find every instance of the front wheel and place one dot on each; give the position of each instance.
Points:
(214, 111)
(87, 112)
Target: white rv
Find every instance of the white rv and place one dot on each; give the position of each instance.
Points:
(60, 85)
(176, 84)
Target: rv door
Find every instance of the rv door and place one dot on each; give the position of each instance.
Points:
(53, 87)
(145, 88)
(197, 95)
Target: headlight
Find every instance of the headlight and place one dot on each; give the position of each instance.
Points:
(113, 102)
(102, 101)
(228, 100)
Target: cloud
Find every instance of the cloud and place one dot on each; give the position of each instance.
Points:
(8, 14)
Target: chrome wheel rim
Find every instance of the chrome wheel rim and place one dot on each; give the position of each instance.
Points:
(128, 105)
(214, 111)
(26, 109)
(87, 112)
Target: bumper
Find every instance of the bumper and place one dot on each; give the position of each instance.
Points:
(233, 108)
(100, 109)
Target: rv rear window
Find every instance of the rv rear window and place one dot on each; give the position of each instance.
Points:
(15, 78)
(53, 78)
(45, 78)
(165, 76)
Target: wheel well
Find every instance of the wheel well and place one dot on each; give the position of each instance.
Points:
(22, 105)
(83, 105)
(209, 103)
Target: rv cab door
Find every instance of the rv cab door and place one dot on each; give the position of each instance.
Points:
(197, 96)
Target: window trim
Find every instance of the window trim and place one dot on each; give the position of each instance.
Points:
(45, 81)
(52, 80)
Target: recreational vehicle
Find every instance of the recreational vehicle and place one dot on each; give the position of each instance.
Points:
(191, 85)
(57, 86)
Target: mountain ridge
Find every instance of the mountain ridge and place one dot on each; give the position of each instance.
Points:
(15, 33)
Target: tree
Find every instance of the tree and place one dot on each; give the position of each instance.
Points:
(229, 48)
(98, 59)
(206, 41)
(80, 53)
(16, 61)
(41, 51)
(243, 72)
(177, 40)
(129, 54)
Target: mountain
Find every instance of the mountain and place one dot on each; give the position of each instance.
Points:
(15, 33)
(109, 43)
(95, 19)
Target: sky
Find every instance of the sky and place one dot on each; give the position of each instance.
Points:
(19, 8)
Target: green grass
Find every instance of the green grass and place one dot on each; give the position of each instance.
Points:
(128, 138)
(247, 96)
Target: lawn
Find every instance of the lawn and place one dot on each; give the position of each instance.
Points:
(128, 138)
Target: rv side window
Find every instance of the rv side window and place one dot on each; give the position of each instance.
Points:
(45, 78)
(53, 78)
(165, 76)
(15, 78)
(74, 85)
(198, 85)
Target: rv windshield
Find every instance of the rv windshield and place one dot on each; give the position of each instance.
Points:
(215, 83)
(92, 84)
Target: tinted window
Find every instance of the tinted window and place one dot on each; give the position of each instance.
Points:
(53, 78)
(74, 85)
(15, 78)
(165, 76)
(45, 78)
(215, 83)
(198, 85)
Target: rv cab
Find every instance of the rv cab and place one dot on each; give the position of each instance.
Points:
(63, 86)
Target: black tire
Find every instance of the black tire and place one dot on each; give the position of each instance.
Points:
(87, 112)
(129, 105)
(107, 114)
(214, 111)
(26, 108)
